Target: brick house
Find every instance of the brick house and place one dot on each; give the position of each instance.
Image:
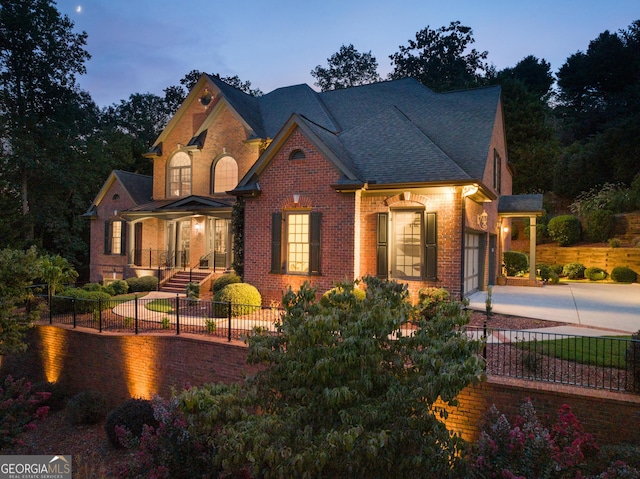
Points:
(388, 179)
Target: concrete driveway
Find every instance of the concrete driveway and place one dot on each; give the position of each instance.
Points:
(614, 307)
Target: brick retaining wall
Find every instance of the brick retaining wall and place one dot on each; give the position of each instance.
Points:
(124, 366)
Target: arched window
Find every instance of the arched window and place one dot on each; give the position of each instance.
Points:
(179, 175)
(297, 155)
(225, 174)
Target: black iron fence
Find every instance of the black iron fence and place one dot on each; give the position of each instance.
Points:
(174, 315)
(611, 363)
(597, 362)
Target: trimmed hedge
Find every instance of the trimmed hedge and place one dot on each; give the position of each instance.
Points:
(624, 274)
(564, 229)
(145, 283)
(244, 298)
(595, 274)
(87, 407)
(573, 270)
(224, 280)
(515, 262)
(336, 296)
(132, 415)
(61, 304)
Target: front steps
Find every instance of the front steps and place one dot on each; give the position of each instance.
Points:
(178, 282)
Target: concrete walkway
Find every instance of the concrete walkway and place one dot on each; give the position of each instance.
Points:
(610, 308)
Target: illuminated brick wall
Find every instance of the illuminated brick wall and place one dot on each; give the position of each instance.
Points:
(142, 366)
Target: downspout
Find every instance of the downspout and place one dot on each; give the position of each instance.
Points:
(462, 252)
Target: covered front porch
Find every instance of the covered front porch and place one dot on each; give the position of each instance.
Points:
(190, 233)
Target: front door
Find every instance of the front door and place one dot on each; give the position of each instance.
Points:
(219, 241)
(183, 242)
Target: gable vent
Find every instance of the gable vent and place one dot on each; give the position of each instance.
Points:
(297, 155)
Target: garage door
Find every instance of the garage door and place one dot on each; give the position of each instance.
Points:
(471, 263)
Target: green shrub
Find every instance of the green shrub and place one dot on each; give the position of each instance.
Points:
(554, 278)
(244, 298)
(598, 225)
(543, 271)
(145, 283)
(595, 274)
(515, 262)
(57, 399)
(127, 421)
(20, 406)
(339, 296)
(117, 287)
(92, 287)
(614, 243)
(429, 299)
(193, 290)
(573, 271)
(556, 268)
(564, 229)
(623, 274)
(224, 280)
(87, 301)
(87, 407)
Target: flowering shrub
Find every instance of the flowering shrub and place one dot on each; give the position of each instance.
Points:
(19, 408)
(527, 449)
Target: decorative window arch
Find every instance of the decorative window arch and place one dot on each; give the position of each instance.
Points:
(179, 175)
(224, 174)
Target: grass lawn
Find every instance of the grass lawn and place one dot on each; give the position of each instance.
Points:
(161, 305)
(600, 351)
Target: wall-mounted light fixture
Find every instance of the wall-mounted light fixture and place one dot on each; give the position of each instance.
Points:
(505, 229)
(198, 227)
(296, 198)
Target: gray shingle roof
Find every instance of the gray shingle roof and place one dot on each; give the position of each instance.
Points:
(388, 132)
(140, 187)
(520, 204)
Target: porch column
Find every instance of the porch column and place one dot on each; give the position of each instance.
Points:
(131, 240)
(532, 249)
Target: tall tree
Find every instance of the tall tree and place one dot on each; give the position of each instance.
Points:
(531, 140)
(40, 56)
(441, 59)
(346, 68)
(599, 113)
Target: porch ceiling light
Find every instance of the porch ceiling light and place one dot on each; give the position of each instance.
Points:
(469, 190)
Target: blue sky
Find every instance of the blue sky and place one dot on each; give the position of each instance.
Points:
(140, 46)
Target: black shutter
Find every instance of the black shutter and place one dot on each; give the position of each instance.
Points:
(107, 237)
(276, 243)
(431, 247)
(123, 238)
(314, 243)
(382, 245)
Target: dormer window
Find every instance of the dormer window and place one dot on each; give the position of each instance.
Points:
(179, 175)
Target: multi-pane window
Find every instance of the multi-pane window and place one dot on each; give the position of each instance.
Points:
(225, 175)
(114, 237)
(179, 175)
(407, 244)
(298, 243)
